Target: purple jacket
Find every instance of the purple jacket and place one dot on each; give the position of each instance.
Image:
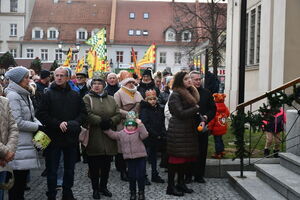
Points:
(132, 145)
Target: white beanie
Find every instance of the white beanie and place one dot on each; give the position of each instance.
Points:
(16, 74)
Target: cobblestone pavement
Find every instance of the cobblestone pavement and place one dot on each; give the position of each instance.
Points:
(214, 189)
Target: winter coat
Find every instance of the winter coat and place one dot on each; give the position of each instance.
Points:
(182, 139)
(132, 145)
(218, 125)
(207, 104)
(163, 98)
(100, 108)
(83, 90)
(112, 89)
(58, 105)
(8, 129)
(276, 123)
(22, 109)
(153, 118)
(143, 87)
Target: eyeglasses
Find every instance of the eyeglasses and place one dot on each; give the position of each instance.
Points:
(80, 77)
(60, 75)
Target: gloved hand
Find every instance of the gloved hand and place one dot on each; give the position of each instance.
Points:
(105, 124)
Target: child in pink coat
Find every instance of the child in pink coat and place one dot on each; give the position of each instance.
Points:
(134, 152)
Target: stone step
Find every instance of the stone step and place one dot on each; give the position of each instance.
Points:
(290, 161)
(283, 180)
(251, 187)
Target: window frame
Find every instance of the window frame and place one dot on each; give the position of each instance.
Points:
(131, 15)
(13, 52)
(129, 31)
(146, 15)
(79, 34)
(177, 58)
(37, 29)
(13, 6)
(58, 55)
(145, 32)
(29, 54)
(44, 54)
(163, 58)
(138, 32)
(119, 56)
(13, 30)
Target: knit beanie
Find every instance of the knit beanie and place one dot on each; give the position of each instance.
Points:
(147, 72)
(16, 74)
(130, 119)
(44, 74)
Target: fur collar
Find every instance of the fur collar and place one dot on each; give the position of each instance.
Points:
(191, 95)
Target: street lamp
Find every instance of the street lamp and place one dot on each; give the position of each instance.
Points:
(60, 47)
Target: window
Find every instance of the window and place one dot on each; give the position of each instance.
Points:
(186, 36)
(258, 33)
(13, 30)
(130, 32)
(13, 52)
(13, 5)
(29, 53)
(52, 33)
(145, 32)
(177, 56)
(37, 33)
(138, 32)
(162, 57)
(119, 57)
(252, 37)
(170, 35)
(131, 15)
(58, 55)
(81, 34)
(252, 48)
(146, 15)
(44, 54)
(131, 57)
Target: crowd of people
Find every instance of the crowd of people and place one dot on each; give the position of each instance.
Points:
(130, 120)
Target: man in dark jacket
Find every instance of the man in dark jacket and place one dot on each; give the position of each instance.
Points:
(41, 85)
(147, 83)
(81, 82)
(62, 111)
(208, 111)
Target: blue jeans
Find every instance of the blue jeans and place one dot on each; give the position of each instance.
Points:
(2, 180)
(219, 145)
(152, 156)
(53, 158)
(136, 173)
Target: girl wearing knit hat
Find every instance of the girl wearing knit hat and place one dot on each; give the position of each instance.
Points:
(22, 109)
(131, 140)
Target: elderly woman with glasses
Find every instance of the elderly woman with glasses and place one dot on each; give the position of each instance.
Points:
(128, 99)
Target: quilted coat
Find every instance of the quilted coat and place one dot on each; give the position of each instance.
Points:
(182, 139)
(26, 156)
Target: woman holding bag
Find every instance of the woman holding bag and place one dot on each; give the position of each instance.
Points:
(26, 158)
(103, 113)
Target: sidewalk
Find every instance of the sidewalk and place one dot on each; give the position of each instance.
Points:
(214, 189)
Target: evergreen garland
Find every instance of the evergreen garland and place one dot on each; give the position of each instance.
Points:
(265, 112)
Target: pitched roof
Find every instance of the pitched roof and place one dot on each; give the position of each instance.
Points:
(68, 17)
(160, 18)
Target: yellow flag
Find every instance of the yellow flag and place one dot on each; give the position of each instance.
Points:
(79, 66)
(68, 59)
(149, 57)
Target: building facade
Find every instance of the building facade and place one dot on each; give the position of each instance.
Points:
(272, 46)
(14, 18)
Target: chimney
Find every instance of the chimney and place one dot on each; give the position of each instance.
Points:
(113, 21)
(55, 1)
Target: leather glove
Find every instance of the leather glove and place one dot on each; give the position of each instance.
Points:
(105, 124)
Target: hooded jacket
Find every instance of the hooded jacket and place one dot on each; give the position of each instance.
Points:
(218, 125)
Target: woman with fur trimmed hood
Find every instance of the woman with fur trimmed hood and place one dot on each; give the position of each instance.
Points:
(182, 139)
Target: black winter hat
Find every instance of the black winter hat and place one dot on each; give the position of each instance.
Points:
(45, 74)
(147, 72)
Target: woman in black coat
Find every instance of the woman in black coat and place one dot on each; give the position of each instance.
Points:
(182, 139)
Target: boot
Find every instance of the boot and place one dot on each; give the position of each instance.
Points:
(132, 195)
(172, 190)
(266, 152)
(188, 179)
(157, 179)
(124, 176)
(275, 153)
(184, 188)
(141, 195)
(96, 194)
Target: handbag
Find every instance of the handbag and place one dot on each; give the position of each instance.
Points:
(84, 133)
(9, 178)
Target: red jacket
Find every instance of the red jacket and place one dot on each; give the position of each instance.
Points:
(218, 125)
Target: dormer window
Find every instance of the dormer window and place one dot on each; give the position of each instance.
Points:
(52, 33)
(95, 31)
(81, 34)
(170, 35)
(37, 33)
(186, 36)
